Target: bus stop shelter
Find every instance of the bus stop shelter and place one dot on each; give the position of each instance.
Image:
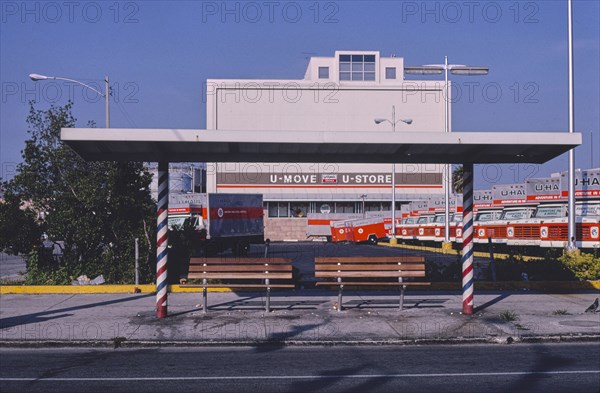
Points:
(195, 145)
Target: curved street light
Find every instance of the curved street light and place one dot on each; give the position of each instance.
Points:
(393, 122)
(106, 94)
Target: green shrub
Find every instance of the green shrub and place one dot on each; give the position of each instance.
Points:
(583, 266)
(41, 272)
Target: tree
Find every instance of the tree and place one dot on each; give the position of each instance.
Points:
(95, 209)
(457, 179)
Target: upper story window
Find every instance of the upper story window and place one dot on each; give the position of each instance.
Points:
(390, 72)
(323, 72)
(357, 67)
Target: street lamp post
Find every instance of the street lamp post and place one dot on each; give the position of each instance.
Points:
(393, 122)
(456, 69)
(363, 196)
(106, 94)
(571, 243)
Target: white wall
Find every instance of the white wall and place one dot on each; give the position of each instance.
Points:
(323, 105)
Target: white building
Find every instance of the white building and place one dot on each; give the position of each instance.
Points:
(346, 92)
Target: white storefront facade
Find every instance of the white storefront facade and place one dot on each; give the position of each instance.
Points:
(346, 92)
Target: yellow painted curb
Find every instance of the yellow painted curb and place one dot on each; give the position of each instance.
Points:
(76, 289)
(92, 289)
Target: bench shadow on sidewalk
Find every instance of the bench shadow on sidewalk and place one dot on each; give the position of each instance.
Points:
(394, 303)
(48, 315)
(256, 303)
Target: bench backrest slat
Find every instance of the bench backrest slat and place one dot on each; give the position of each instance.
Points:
(401, 259)
(240, 261)
(240, 276)
(371, 274)
(240, 268)
(369, 267)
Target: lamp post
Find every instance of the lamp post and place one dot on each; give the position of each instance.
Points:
(363, 196)
(455, 69)
(393, 122)
(106, 94)
(571, 244)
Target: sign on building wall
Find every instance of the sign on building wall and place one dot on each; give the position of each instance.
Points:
(328, 179)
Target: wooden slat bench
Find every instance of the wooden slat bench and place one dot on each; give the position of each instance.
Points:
(358, 271)
(234, 270)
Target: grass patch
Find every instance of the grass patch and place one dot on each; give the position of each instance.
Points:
(508, 316)
(560, 312)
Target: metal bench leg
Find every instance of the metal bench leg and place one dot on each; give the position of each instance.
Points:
(402, 288)
(204, 301)
(340, 298)
(268, 303)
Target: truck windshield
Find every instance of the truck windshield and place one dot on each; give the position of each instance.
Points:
(549, 212)
(486, 216)
(180, 221)
(516, 214)
(176, 222)
(588, 210)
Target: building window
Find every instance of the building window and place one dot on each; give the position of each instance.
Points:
(284, 209)
(272, 209)
(357, 67)
(299, 209)
(390, 72)
(323, 72)
(279, 209)
(344, 207)
(372, 206)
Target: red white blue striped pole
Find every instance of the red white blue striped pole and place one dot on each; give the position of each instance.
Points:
(162, 241)
(467, 244)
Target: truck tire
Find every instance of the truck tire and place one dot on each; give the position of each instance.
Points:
(373, 239)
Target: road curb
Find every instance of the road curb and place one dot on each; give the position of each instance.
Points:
(121, 342)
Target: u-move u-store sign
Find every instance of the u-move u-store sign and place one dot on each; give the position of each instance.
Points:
(249, 179)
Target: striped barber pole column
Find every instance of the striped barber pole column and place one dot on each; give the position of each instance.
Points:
(162, 241)
(467, 244)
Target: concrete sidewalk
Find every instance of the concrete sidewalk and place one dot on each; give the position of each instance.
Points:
(299, 317)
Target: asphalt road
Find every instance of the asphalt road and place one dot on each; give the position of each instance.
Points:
(465, 368)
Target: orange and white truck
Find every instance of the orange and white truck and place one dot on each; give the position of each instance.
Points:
(369, 230)
(221, 222)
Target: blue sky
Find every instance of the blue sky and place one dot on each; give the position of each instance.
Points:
(158, 55)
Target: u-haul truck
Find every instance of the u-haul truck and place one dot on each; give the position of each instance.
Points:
(368, 230)
(221, 222)
(339, 231)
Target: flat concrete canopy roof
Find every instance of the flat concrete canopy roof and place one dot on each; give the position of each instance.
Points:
(174, 145)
